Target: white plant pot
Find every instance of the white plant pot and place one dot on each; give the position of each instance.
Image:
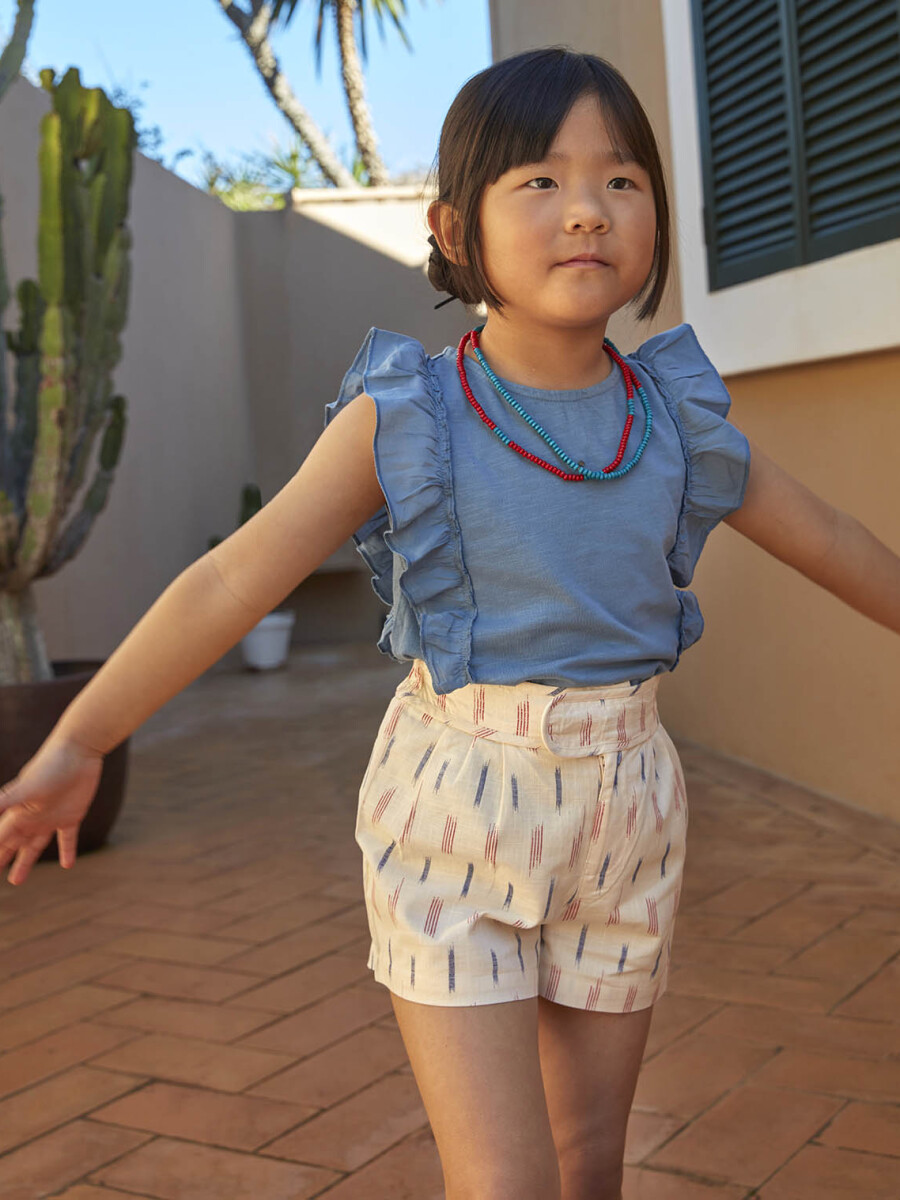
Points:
(268, 643)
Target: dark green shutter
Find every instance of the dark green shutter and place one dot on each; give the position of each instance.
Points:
(799, 113)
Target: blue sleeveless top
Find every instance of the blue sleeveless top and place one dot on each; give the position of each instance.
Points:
(494, 569)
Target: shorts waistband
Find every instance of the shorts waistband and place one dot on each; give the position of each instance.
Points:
(573, 722)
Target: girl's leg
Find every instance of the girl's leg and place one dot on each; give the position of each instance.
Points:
(479, 1075)
(590, 1063)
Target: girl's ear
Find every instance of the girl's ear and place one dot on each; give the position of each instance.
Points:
(446, 227)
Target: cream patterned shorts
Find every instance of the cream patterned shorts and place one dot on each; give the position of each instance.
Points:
(521, 840)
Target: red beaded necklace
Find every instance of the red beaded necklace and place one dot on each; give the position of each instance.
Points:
(631, 383)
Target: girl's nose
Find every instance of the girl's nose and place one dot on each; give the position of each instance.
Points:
(586, 214)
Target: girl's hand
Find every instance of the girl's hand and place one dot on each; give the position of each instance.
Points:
(51, 793)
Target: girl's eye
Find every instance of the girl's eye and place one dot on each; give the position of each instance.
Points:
(547, 179)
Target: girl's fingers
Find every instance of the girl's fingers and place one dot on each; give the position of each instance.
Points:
(9, 845)
(51, 794)
(67, 841)
(16, 838)
(27, 849)
(27, 856)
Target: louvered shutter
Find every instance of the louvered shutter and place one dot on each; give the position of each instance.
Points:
(799, 107)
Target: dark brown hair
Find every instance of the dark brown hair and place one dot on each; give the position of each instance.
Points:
(508, 115)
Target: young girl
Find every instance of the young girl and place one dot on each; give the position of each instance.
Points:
(531, 502)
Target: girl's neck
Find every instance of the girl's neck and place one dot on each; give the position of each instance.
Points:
(555, 359)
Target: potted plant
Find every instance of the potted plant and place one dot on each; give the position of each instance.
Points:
(268, 643)
(64, 351)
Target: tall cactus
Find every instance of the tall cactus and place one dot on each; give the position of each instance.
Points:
(14, 51)
(10, 64)
(66, 347)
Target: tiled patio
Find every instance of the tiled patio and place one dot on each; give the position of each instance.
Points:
(182, 1021)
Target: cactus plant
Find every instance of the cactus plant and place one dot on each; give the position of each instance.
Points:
(14, 51)
(65, 349)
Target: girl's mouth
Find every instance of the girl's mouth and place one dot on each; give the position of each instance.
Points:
(582, 262)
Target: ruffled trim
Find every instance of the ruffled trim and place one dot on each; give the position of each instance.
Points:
(690, 625)
(717, 454)
(413, 542)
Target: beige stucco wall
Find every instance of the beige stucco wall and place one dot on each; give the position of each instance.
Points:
(785, 676)
(311, 292)
(313, 284)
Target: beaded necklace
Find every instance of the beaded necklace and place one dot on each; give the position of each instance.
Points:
(613, 471)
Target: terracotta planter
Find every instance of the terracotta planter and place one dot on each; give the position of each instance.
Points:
(28, 712)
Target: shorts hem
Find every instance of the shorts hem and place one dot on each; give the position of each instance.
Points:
(611, 999)
(615, 995)
(501, 993)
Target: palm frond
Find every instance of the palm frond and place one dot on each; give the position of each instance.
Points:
(283, 12)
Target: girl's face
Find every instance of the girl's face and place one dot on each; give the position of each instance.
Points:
(578, 200)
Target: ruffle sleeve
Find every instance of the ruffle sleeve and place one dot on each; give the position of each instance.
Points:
(412, 544)
(717, 454)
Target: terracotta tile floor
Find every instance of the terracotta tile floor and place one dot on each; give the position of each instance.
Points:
(187, 1015)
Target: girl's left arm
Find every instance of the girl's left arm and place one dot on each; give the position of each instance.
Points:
(824, 543)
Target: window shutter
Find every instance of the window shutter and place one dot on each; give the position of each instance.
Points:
(799, 107)
(849, 73)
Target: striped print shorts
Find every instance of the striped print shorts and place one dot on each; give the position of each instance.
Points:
(522, 840)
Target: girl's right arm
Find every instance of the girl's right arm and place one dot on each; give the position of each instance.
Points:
(209, 607)
(205, 611)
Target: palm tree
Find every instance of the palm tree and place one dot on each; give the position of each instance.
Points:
(254, 26)
(352, 77)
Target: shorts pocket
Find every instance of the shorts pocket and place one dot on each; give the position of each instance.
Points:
(394, 797)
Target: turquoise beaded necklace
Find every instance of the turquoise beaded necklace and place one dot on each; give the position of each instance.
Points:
(613, 471)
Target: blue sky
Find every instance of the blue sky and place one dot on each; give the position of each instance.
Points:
(203, 89)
